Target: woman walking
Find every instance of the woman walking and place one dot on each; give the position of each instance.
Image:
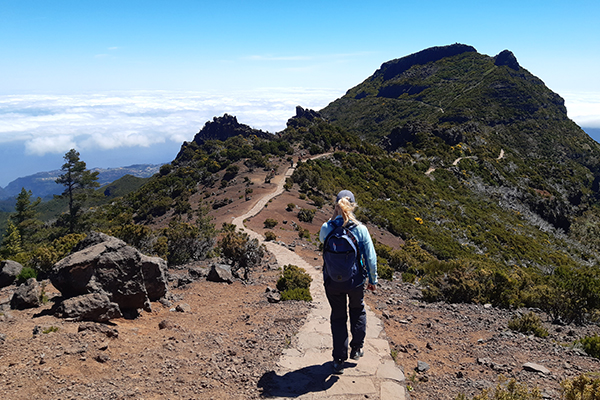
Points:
(349, 258)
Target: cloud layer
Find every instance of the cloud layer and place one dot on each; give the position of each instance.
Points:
(583, 108)
(57, 123)
(123, 128)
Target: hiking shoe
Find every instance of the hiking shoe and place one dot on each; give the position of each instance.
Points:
(355, 354)
(338, 367)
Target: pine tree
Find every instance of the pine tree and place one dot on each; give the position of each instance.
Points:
(11, 242)
(77, 180)
(25, 215)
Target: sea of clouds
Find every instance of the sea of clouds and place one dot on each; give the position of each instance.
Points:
(123, 128)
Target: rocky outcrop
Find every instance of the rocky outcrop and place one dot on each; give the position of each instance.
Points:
(105, 277)
(9, 270)
(27, 295)
(222, 128)
(507, 58)
(303, 115)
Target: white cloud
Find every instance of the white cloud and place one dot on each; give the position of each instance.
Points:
(56, 123)
(51, 144)
(583, 108)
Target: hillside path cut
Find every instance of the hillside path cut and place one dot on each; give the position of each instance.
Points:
(305, 368)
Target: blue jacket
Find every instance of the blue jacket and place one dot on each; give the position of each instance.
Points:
(365, 243)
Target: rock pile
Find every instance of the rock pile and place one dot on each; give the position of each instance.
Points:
(105, 278)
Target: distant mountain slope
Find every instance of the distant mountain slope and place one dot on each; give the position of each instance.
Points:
(465, 97)
(43, 184)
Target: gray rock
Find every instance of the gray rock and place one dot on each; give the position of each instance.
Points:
(99, 328)
(422, 366)
(89, 307)
(9, 270)
(198, 273)
(27, 295)
(273, 297)
(106, 265)
(183, 307)
(220, 273)
(535, 368)
(154, 270)
(166, 324)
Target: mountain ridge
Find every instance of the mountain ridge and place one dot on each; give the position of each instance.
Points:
(42, 184)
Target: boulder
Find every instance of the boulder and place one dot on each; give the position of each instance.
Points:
(27, 295)
(89, 307)
(98, 328)
(220, 273)
(9, 270)
(102, 264)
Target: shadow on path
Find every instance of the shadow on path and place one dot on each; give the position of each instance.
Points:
(314, 378)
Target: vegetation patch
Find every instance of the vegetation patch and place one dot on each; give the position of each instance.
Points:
(294, 283)
(591, 345)
(511, 390)
(529, 324)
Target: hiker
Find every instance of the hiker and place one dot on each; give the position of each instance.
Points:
(345, 291)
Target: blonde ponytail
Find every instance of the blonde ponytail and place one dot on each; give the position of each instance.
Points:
(345, 208)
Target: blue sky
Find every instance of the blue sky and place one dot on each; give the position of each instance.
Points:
(128, 81)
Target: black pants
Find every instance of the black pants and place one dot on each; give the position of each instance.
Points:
(342, 301)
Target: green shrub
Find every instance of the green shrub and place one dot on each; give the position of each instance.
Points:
(292, 279)
(43, 258)
(50, 329)
(289, 184)
(270, 236)
(290, 207)
(187, 242)
(305, 215)
(318, 201)
(301, 294)
(583, 387)
(591, 345)
(507, 391)
(26, 273)
(270, 223)
(303, 233)
(528, 323)
(384, 271)
(409, 277)
(244, 253)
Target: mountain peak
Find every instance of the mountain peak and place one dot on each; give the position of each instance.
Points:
(222, 128)
(507, 58)
(395, 67)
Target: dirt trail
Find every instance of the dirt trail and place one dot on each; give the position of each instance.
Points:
(305, 368)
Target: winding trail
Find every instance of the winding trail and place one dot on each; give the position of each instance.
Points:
(455, 162)
(305, 369)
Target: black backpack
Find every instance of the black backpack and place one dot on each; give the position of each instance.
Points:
(341, 255)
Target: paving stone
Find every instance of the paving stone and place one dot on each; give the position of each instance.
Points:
(389, 370)
(392, 391)
(352, 385)
(380, 347)
(366, 366)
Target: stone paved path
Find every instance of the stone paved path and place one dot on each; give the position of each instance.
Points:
(305, 369)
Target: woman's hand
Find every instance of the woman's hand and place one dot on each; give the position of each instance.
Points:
(371, 287)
